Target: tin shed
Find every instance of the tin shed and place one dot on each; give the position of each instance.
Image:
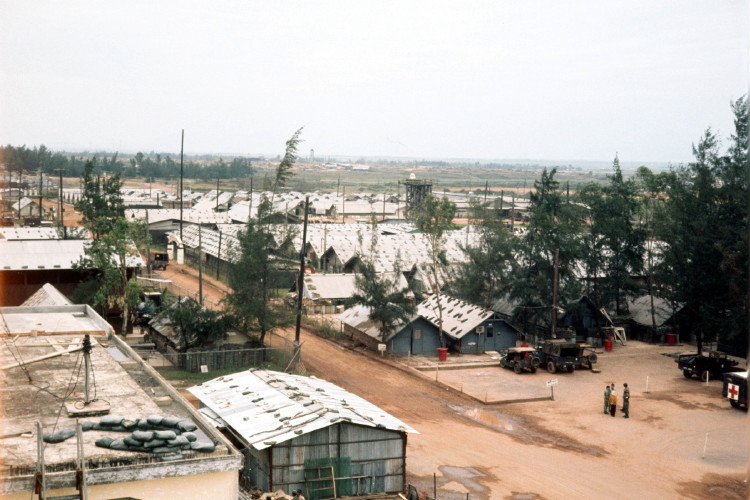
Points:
(297, 431)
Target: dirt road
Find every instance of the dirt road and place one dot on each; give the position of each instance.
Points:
(565, 448)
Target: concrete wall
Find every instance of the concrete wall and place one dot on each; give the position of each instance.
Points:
(215, 485)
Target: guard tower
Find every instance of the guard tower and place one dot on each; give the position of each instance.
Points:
(416, 191)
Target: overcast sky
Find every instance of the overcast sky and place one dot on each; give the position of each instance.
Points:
(547, 80)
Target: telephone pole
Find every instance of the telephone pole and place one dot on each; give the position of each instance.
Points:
(182, 145)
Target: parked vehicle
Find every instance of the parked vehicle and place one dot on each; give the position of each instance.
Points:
(559, 354)
(735, 389)
(703, 366)
(159, 260)
(520, 359)
(587, 358)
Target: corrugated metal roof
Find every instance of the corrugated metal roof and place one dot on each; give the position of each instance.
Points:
(29, 233)
(22, 255)
(47, 295)
(640, 310)
(267, 407)
(459, 317)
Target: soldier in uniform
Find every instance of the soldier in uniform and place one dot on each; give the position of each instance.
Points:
(607, 392)
(626, 400)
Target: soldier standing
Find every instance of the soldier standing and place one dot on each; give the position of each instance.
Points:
(607, 392)
(612, 402)
(626, 400)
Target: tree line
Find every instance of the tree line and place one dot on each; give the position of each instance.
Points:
(149, 166)
(680, 235)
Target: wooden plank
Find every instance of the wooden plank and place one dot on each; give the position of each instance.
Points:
(42, 333)
(42, 358)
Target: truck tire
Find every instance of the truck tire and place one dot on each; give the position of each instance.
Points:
(551, 367)
(592, 359)
(735, 404)
(705, 375)
(687, 373)
(517, 367)
(535, 363)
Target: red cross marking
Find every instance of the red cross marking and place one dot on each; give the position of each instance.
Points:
(733, 391)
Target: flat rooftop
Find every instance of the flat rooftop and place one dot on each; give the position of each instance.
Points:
(37, 391)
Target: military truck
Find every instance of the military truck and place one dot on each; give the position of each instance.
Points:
(735, 389)
(559, 354)
(705, 366)
(521, 359)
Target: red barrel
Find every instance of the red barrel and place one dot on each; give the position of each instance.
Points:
(671, 338)
(442, 353)
(608, 344)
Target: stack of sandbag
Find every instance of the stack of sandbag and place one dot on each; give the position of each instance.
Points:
(155, 434)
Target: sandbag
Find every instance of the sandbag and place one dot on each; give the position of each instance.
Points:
(164, 435)
(186, 426)
(143, 435)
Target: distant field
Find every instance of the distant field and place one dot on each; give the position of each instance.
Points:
(385, 178)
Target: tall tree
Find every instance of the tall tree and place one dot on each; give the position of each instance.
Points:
(251, 272)
(433, 217)
(113, 249)
(554, 228)
(615, 240)
(704, 227)
(388, 303)
(486, 275)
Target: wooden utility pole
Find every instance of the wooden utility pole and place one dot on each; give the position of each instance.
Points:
(200, 264)
(250, 204)
(41, 215)
(553, 318)
(301, 278)
(218, 257)
(60, 199)
(217, 194)
(182, 146)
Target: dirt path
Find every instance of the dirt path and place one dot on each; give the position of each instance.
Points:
(554, 449)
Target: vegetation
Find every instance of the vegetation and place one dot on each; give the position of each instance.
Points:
(112, 249)
(388, 303)
(251, 272)
(434, 216)
(197, 326)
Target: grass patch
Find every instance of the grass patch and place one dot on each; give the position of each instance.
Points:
(172, 373)
(322, 328)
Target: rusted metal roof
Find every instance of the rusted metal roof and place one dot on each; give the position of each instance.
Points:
(266, 407)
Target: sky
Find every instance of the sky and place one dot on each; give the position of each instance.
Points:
(486, 80)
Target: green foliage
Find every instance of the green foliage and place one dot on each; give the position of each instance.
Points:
(284, 170)
(388, 303)
(251, 272)
(703, 224)
(487, 273)
(614, 246)
(554, 226)
(113, 246)
(434, 216)
(197, 326)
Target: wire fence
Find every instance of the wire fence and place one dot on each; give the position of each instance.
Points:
(278, 353)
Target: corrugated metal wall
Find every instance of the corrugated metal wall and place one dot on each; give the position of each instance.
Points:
(376, 454)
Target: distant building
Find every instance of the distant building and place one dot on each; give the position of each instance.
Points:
(467, 328)
(25, 265)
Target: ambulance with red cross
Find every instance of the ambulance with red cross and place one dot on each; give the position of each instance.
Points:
(735, 388)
